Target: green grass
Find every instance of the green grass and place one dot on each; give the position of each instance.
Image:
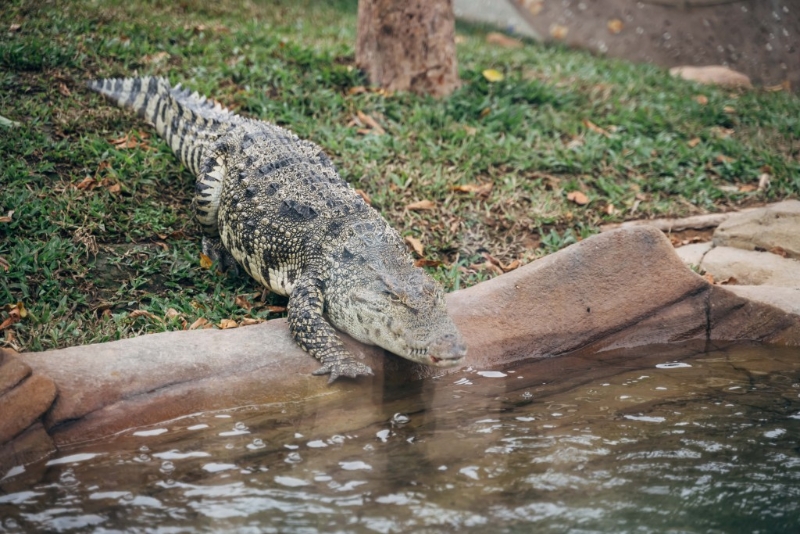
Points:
(81, 260)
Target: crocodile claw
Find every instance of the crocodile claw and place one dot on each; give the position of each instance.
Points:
(344, 367)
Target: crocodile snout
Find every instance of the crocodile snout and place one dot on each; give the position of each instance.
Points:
(447, 351)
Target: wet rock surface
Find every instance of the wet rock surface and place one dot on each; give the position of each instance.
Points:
(623, 288)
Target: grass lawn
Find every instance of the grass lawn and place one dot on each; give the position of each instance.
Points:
(101, 244)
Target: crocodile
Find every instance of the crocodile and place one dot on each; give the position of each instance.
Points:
(274, 205)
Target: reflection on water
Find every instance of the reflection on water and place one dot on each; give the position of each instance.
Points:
(653, 440)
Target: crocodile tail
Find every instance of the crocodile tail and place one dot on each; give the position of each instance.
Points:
(187, 121)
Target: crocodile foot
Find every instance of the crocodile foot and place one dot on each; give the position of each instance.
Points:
(344, 367)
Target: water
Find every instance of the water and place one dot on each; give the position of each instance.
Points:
(656, 440)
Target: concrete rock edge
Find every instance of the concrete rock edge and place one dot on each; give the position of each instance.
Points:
(578, 297)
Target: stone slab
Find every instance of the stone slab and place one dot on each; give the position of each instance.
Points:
(693, 254)
(12, 372)
(749, 267)
(777, 225)
(783, 298)
(623, 288)
(24, 404)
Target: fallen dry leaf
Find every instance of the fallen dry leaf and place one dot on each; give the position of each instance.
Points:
(729, 109)
(481, 190)
(155, 58)
(610, 209)
(227, 323)
(701, 99)
(171, 313)
(201, 322)
(485, 111)
(501, 39)
(493, 75)
(720, 132)
(747, 188)
(578, 198)
(14, 27)
(693, 142)
(421, 205)
(763, 181)
(615, 26)
(511, 266)
(415, 244)
(114, 188)
(142, 313)
(243, 302)
(248, 321)
(557, 31)
(595, 128)
(87, 183)
(722, 158)
(63, 89)
(728, 281)
(357, 90)
(276, 309)
(370, 122)
(422, 262)
(363, 194)
(205, 261)
(709, 278)
(16, 313)
(4, 264)
(7, 217)
(470, 130)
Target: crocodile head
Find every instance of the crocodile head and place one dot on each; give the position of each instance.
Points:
(404, 312)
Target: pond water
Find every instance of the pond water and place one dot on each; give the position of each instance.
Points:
(664, 439)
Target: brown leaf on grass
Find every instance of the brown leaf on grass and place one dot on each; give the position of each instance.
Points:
(158, 57)
(364, 195)
(492, 75)
(747, 188)
(205, 261)
(721, 133)
(421, 205)
(87, 183)
(227, 323)
(14, 27)
(578, 198)
(729, 110)
(615, 26)
(199, 323)
(595, 128)
(7, 217)
(422, 262)
(481, 190)
(276, 309)
(763, 181)
(4, 264)
(129, 141)
(171, 314)
(610, 209)
(511, 266)
(357, 90)
(415, 244)
(243, 302)
(701, 99)
(16, 313)
(501, 39)
(63, 89)
(142, 313)
(371, 123)
(724, 159)
(248, 321)
(114, 188)
(693, 142)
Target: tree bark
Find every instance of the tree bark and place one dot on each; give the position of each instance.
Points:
(408, 45)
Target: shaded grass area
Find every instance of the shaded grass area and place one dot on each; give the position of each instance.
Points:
(84, 255)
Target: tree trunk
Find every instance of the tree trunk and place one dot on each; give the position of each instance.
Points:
(408, 45)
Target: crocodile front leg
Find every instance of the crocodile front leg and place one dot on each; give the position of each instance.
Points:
(315, 335)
